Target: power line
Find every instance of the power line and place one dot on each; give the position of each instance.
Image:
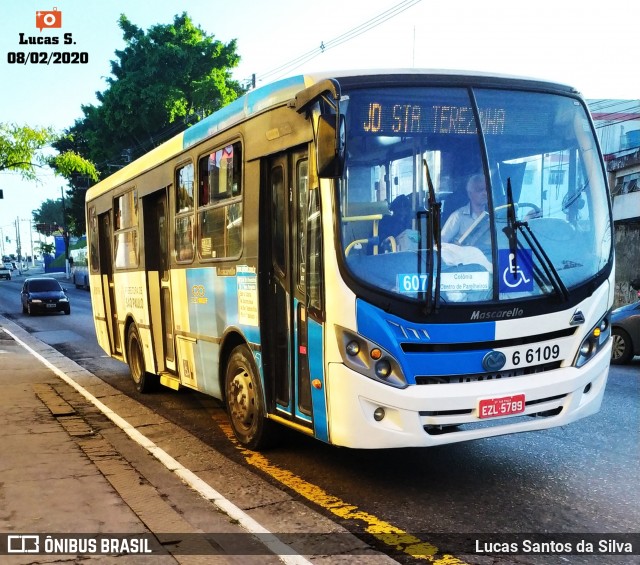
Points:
(347, 36)
(618, 113)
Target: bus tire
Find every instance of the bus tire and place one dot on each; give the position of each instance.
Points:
(143, 381)
(244, 401)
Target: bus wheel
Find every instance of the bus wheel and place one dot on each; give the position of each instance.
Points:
(244, 401)
(135, 358)
(622, 348)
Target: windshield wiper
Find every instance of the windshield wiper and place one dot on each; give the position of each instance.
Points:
(511, 231)
(433, 215)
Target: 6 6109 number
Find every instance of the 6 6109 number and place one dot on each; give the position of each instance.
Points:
(536, 354)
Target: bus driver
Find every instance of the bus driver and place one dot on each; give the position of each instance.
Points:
(457, 228)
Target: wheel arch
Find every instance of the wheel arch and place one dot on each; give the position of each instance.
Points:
(128, 322)
(148, 350)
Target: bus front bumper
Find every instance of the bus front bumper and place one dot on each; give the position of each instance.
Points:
(437, 414)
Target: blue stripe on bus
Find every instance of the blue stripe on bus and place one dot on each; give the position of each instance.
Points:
(316, 371)
(242, 108)
(213, 308)
(389, 332)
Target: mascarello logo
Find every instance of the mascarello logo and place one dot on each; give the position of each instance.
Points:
(48, 19)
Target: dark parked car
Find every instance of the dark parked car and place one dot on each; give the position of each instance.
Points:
(44, 294)
(625, 327)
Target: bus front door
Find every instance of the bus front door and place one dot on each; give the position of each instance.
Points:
(284, 318)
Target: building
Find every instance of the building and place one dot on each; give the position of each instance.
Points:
(618, 127)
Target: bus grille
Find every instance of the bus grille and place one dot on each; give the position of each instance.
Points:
(478, 377)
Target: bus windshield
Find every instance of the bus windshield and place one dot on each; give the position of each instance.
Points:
(521, 194)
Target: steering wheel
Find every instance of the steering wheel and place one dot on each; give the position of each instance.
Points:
(536, 212)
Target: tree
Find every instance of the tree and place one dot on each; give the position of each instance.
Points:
(47, 248)
(49, 216)
(21, 151)
(162, 81)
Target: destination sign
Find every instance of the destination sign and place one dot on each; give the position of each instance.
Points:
(398, 118)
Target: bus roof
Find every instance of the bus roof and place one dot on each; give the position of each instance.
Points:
(281, 92)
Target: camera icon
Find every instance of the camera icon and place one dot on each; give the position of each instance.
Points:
(48, 19)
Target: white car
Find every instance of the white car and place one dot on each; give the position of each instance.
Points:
(5, 271)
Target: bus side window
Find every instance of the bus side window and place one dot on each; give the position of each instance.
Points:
(184, 213)
(92, 229)
(220, 203)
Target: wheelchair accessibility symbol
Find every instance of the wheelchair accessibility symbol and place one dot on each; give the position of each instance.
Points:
(516, 270)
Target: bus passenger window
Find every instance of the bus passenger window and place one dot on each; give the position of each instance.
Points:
(184, 189)
(184, 239)
(125, 212)
(184, 213)
(220, 204)
(92, 229)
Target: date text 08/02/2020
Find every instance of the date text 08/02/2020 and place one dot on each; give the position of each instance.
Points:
(44, 58)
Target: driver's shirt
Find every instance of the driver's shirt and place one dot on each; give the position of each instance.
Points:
(458, 223)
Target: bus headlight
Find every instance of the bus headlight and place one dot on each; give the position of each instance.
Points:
(383, 369)
(368, 359)
(594, 342)
(353, 348)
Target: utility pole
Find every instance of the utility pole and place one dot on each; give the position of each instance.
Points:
(18, 246)
(33, 260)
(30, 239)
(65, 234)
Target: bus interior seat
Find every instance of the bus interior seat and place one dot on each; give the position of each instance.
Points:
(361, 219)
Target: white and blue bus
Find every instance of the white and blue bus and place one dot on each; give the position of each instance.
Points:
(286, 256)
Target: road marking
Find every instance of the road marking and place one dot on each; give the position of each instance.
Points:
(388, 534)
(279, 548)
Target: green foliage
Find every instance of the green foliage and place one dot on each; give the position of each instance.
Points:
(50, 213)
(163, 80)
(47, 248)
(19, 147)
(21, 151)
(70, 163)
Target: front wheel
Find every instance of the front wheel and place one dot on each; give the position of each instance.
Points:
(245, 404)
(622, 348)
(143, 381)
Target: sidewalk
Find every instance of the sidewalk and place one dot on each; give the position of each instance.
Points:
(80, 462)
(62, 475)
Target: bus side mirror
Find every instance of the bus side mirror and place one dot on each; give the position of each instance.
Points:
(330, 146)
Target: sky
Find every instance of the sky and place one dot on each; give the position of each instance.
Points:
(587, 45)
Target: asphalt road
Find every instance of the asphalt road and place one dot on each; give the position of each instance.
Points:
(578, 479)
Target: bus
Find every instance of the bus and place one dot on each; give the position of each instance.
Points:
(252, 258)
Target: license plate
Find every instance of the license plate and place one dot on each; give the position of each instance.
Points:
(503, 406)
(51, 305)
